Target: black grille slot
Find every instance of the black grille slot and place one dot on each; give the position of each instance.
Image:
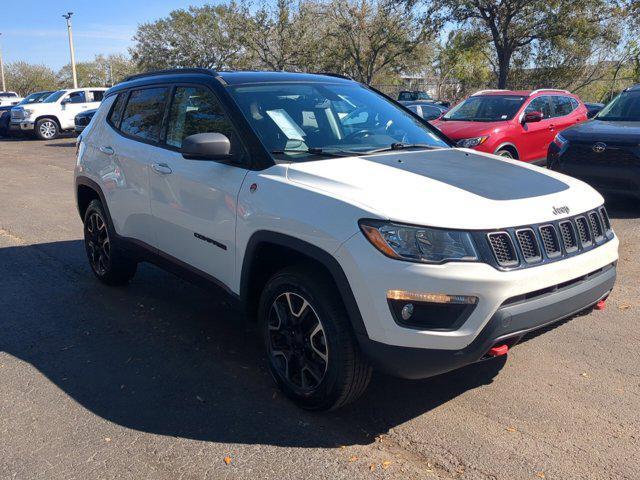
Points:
(503, 249)
(583, 231)
(605, 218)
(596, 226)
(569, 238)
(529, 245)
(550, 241)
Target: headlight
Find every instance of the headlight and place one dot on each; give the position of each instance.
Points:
(419, 244)
(26, 113)
(559, 140)
(472, 142)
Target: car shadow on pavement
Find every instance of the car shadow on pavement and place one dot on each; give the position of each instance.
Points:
(163, 356)
(622, 207)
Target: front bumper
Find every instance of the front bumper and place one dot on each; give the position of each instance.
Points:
(371, 276)
(23, 126)
(508, 325)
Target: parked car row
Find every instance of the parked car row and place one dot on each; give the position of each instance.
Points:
(47, 114)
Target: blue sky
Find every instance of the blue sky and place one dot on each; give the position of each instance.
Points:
(34, 30)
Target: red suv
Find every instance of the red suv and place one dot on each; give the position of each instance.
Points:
(514, 124)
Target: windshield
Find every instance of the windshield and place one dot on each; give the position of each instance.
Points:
(55, 96)
(35, 98)
(486, 108)
(293, 118)
(624, 108)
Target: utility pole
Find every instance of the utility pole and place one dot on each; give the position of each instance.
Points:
(4, 86)
(67, 17)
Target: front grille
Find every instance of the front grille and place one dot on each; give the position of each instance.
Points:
(550, 240)
(503, 249)
(569, 238)
(596, 226)
(583, 231)
(529, 245)
(605, 218)
(82, 121)
(16, 114)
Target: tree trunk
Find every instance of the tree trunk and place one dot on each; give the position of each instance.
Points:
(504, 63)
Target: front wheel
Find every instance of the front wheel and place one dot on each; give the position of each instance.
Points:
(108, 261)
(47, 129)
(505, 154)
(312, 352)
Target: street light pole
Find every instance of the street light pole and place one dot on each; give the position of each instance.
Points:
(73, 56)
(4, 86)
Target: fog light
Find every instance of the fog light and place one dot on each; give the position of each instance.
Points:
(407, 311)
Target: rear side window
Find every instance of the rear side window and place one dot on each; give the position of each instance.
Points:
(116, 111)
(76, 97)
(143, 114)
(196, 110)
(562, 106)
(96, 95)
(540, 104)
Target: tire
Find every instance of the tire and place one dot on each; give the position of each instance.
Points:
(47, 129)
(311, 350)
(505, 153)
(108, 261)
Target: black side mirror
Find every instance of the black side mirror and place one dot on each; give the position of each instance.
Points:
(206, 146)
(533, 117)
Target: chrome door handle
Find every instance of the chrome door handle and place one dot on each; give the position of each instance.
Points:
(161, 168)
(106, 150)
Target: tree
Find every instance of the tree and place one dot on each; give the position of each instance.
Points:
(26, 78)
(102, 71)
(366, 38)
(519, 28)
(280, 37)
(196, 37)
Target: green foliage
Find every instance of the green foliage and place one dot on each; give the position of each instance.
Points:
(26, 78)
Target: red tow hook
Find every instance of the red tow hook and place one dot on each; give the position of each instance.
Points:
(601, 305)
(498, 350)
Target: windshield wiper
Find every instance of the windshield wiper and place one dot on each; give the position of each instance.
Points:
(313, 151)
(399, 146)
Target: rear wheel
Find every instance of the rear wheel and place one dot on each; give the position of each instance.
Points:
(107, 260)
(312, 352)
(47, 129)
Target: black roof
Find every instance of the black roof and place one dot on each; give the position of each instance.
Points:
(228, 78)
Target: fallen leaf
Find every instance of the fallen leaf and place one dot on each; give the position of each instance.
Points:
(624, 306)
(353, 459)
(386, 464)
(107, 439)
(540, 475)
(511, 429)
(372, 467)
(227, 459)
(584, 374)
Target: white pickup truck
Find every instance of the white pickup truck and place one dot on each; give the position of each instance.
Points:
(9, 98)
(56, 113)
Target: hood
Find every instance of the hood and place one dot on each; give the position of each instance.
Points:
(457, 130)
(449, 188)
(603, 131)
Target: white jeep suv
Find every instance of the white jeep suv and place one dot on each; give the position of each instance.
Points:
(55, 113)
(344, 223)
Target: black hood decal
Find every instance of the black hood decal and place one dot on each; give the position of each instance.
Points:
(487, 177)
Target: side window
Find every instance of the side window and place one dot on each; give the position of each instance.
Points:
(196, 110)
(540, 104)
(562, 106)
(96, 95)
(76, 97)
(116, 110)
(574, 103)
(143, 114)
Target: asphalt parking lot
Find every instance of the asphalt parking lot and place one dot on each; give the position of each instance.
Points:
(161, 379)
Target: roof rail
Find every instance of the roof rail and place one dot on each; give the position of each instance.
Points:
(337, 75)
(171, 71)
(480, 92)
(549, 90)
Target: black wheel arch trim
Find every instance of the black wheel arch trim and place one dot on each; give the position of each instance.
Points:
(81, 180)
(334, 268)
